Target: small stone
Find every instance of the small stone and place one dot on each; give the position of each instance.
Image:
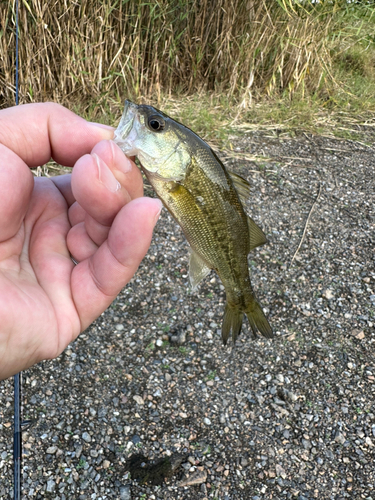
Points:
(290, 395)
(86, 437)
(51, 450)
(119, 327)
(183, 415)
(306, 444)
(340, 438)
(207, 421)
(168, 377)
(138, 399)
(360, 335)
(136, 439)
(125, 493)
(106, 464)
(328, 294)
(280, 471)
(159, 342)
(78, 451)
(369, 442)
(179, 338)
(197, 477)
(60, 425)
(51, 486)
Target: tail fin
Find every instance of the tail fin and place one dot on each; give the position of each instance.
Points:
(232, 321)
(257, 320)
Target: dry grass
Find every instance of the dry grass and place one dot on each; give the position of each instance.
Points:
(91, 50)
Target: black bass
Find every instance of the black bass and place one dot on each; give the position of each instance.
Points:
(205, 199)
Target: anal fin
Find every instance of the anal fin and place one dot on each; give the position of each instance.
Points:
(257, 237)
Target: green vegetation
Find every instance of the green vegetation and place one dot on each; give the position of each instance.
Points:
(281, 64)
(81, 464)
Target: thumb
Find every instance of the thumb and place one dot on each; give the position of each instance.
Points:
(16, 186)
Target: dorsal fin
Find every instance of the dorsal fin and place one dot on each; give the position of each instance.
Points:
(257, 237)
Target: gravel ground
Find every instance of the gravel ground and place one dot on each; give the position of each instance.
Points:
(287, 418)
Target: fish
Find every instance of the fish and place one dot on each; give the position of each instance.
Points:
(206, 200)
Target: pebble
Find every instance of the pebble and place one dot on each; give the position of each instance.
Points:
(280, 471)
(86, 437)
(207, 421)
(136, 439)
(125, 492)
(340, 438)
(138, 400)
(180, 338)
(51, 486)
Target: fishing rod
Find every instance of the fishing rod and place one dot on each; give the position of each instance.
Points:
(17, 436)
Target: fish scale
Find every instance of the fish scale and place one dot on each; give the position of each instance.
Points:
(206, 201)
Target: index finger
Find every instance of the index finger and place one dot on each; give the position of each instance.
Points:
(39, 132)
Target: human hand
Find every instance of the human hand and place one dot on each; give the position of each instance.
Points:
(97, 215)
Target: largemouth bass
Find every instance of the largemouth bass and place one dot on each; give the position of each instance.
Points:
(205, 200)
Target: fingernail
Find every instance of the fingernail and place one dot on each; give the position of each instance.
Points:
(157, 215)
(104, 127)
(109, 131)
(125, 164)
(105, 175)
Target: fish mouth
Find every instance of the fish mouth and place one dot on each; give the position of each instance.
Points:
(123, 137)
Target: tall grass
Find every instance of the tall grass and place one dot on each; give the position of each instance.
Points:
(91, 50)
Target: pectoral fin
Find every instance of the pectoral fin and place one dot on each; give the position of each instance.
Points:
(198, 269)
(242, 186)
(257, 237)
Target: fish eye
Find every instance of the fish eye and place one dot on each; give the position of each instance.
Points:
(156, 123)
